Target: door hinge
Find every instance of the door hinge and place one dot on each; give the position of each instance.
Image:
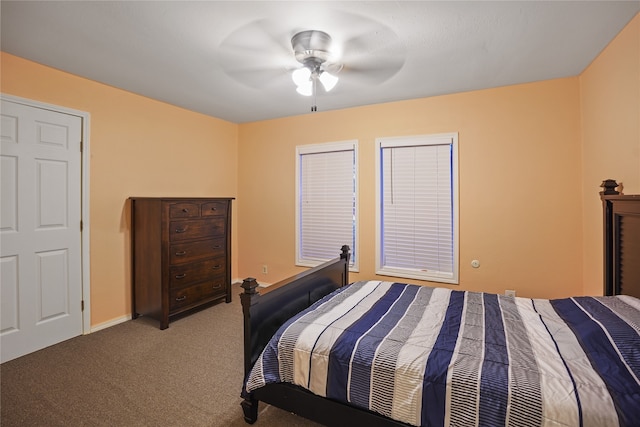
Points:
(82, 305)
(81, 225)
(81, 146)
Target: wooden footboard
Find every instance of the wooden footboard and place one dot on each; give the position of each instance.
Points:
(266, 310)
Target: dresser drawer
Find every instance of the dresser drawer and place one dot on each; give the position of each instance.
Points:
(184, 297)
(184, 210)
(214, 209)
(197, 228)
(184, 275)
(187, 252)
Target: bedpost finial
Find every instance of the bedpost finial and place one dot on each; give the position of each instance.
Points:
(609, 186)
(249, 285)
(345, 252)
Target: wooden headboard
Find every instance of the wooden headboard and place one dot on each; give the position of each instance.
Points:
(621, 241)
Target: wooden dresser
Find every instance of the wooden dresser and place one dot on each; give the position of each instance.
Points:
(181, 255)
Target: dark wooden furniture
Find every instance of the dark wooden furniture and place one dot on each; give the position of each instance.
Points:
(621, 241)
(264, 313)
(181, 255)
(262, 317)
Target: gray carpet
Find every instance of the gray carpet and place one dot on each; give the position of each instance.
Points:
(134, 374)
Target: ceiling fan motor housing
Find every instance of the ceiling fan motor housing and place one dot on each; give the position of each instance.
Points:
(311, 47)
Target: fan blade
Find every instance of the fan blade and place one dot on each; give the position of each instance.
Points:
(261, 35)
(369, 76)
(332, 67)
(244, 69)
(372, 70)
(375, 54)
(257, 53)
(260, 77)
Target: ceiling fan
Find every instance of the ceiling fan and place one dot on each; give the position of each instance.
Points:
(312, 48)
(265, 55)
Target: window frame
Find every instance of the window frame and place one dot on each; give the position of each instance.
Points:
(327, 147)
(419, 140)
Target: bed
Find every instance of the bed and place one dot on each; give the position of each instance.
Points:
(417, 355)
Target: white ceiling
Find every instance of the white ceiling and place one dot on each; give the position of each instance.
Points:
(232, 59)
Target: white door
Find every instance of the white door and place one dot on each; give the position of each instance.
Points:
(40, 235)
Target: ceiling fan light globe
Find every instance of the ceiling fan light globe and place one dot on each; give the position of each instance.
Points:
(328, 81)
(305, 89)
(301, 76)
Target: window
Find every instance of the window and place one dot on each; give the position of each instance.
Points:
(326, 201)
(417, 213)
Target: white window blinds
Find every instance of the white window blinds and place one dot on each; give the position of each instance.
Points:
(417, 234)
(326, 202)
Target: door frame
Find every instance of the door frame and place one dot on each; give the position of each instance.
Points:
(84, 195)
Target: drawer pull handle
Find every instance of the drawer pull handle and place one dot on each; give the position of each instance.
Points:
(181, 253)
(218, 286)
(214, 209)
(215, 267)
(182, 298)
(181, 276)
(181, 230)
(185, 210)
(217, 247)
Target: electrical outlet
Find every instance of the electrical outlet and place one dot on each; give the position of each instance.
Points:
(265, 270)
(510, 293)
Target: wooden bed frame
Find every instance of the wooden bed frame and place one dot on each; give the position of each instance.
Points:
(621, 241)
(265, 311)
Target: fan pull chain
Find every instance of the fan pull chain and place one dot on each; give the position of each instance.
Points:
(314, 107)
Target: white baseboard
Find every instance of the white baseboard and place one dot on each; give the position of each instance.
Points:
(110, 323)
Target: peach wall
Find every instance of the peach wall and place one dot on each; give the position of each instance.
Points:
(138, 147)
(527, 167)
(520, 181)
(610, 107)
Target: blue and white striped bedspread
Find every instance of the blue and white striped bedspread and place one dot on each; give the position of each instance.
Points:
(438, 357)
